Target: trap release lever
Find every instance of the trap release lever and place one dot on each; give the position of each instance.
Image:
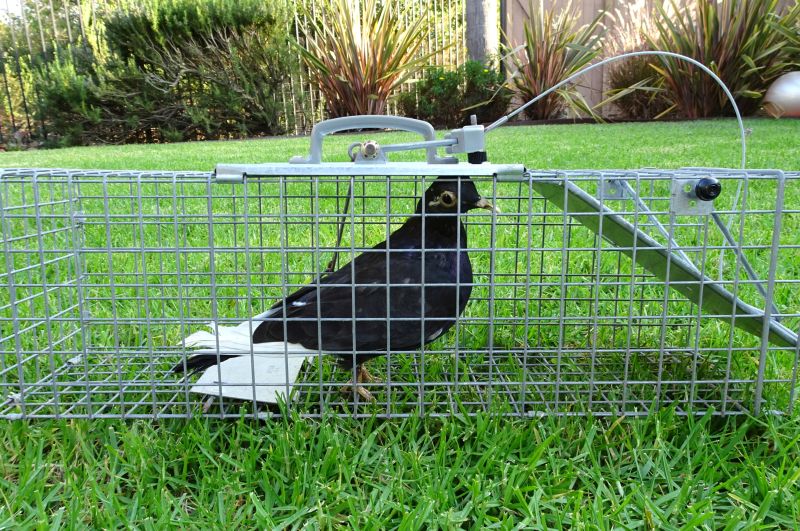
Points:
(374, 121)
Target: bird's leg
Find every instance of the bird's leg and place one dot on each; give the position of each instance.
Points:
(364, 375)
(361, 376)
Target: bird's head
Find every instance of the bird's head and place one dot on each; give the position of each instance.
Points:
(451, 195)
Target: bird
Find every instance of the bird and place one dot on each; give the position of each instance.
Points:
(402, 293)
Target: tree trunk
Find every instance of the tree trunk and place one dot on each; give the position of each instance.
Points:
(482, 29)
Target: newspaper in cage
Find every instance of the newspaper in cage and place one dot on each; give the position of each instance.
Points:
(250, 377)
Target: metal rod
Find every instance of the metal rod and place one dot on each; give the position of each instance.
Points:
(497, 123)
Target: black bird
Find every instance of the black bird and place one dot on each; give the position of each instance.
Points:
(362, 285)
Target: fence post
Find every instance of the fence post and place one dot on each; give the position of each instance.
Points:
(482, 28)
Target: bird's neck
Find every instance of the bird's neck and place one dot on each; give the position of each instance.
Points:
(440, 231)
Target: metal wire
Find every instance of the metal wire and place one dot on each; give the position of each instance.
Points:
(107, 272)
(658, 53)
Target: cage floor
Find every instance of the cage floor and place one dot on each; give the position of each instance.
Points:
(531, 383)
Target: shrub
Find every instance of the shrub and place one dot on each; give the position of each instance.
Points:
(634, 86)
(437, 98)
(447, 98)
(66, 101)
(486, 93)
(220, 64)
(635, 90)
(172, 70)
(358, 62)
(747, 43)
(555, 47)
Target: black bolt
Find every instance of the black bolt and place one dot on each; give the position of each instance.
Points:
(707, 189)
(477, 157)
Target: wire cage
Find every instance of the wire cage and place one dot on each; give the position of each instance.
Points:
(592, 292)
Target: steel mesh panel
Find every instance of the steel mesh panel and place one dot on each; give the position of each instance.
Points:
(107, 272)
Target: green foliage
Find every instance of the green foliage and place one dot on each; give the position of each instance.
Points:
(556, 46)
(66, 101)
(139, 28)
(168, 70)
(633, 86)
(446, 98)
(221, 64)
(634, 89)
(747, 43)
(486, 93)
(358, 62)
(437, 98)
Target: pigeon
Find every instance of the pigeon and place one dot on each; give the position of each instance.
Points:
(422, 265)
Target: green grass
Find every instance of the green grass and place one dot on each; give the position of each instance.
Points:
(662, 471)
(663, 145)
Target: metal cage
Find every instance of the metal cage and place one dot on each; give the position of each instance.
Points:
(594, 292)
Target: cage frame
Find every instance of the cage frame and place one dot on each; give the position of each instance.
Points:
(182, 404)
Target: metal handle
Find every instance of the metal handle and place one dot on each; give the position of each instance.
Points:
(370, 121)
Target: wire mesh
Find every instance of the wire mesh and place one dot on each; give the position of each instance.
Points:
(107, 272)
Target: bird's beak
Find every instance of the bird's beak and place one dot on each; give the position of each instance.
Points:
(483, 203)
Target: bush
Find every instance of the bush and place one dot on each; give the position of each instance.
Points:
(447, 98)
(634, 87)
(220, 64)
(747, 43)
(555, 47)
(436, 98)
(486, 93)
(358, 64)
(172, 70)
(66, 101)
(635, 90)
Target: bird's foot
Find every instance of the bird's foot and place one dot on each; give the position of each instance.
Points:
(364, 376)
(361, 376)
(350, 387)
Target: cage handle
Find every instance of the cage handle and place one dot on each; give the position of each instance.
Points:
(369, 121)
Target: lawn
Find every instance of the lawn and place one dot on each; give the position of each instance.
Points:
(663, 471)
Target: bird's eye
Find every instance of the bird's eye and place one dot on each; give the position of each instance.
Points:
(448, 199)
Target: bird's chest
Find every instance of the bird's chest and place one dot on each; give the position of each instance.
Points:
(447, 267)
(436, 279)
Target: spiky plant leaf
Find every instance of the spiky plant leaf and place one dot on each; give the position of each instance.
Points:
(358, 59)
(556, 46)
(747, 43)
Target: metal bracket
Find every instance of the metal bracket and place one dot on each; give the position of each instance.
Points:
(229, 176)
(684, 201)
(348, 123)
(468, 139)
(612, 189)
(368, 152)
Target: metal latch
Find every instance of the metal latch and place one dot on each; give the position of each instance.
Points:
(694, 197)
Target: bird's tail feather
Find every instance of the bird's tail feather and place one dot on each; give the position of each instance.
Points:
(225, 342)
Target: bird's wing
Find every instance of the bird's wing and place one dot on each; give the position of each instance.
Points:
(331, 299)
(335, 298)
